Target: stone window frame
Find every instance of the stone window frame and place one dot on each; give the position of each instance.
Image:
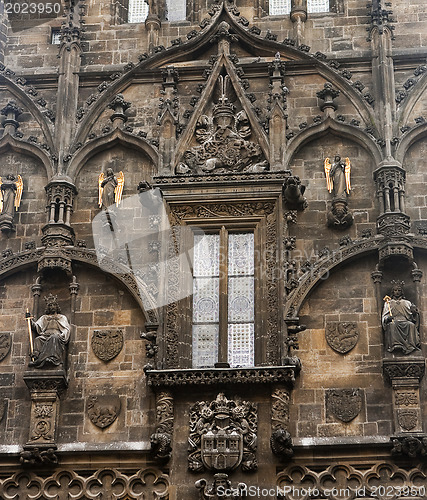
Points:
(224, 230)
(335, 7)
(120, 12)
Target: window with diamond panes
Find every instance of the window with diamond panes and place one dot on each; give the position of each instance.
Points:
(314, 6)
(138, 11)
(223, 299)
(279, 7)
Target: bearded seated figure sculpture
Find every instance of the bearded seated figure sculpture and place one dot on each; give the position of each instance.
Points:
(399, 320)
(52, 332)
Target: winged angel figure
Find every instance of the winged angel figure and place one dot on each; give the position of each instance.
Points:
(110, 188)
(338, 177)
(10, 198)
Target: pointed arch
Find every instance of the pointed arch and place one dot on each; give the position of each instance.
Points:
(9, 143)
(323, 267)
(409, 139)
(340, 129)
(108, 141)
(18, 93)
(119, 272)
(183, 51)
(414, 96)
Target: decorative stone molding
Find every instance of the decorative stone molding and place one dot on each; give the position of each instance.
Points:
(360, 481)
(214, 376)
(163, 181)
(404, 369)
(223, 435)
(161, 440)
(280, 441)
(144, 483)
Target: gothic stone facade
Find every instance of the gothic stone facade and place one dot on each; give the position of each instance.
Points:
(223, 122)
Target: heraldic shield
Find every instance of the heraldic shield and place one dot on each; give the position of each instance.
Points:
(344, 404)
(223, 435)
(107, 344)
(221, 450)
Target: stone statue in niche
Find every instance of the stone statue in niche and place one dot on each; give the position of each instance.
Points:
(10, 198)
(52, 334)
(338, 184)
(224, 144)
(400, 320)
(110, 189)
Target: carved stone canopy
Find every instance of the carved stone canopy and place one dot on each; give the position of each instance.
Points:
(223, 136)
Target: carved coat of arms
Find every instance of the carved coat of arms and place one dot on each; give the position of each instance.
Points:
(103, 410)
(408, 419)
(342, 336)
(106, 344)
(5, 343)
(223, 435)
(344, 404)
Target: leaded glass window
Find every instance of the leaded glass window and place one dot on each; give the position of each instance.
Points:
(223, 299)
(138, 11)
(177, 10)
(279, 7)
(317, 6)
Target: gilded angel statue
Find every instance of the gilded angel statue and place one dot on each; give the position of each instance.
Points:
(338, 177)
(10, 198)
(110, 188)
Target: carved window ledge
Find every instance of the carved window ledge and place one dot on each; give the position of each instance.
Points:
(213, 376)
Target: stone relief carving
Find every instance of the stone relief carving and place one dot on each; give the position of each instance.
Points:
(162, 438)
(103, 410)
(223, 139)
(52, 332)
(280, 441)
(400, 320)
(341, 336)
(107, 344)
(10, 198)
(407, 419)
(223, 435)
(293, 193)
(220, 488)
(35, 456)
(5, 344)
(359, 480)
(344, 404)
(338, 184)
(410, 446)
(145, 483)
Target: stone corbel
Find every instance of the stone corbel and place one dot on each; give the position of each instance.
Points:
(45, 388)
